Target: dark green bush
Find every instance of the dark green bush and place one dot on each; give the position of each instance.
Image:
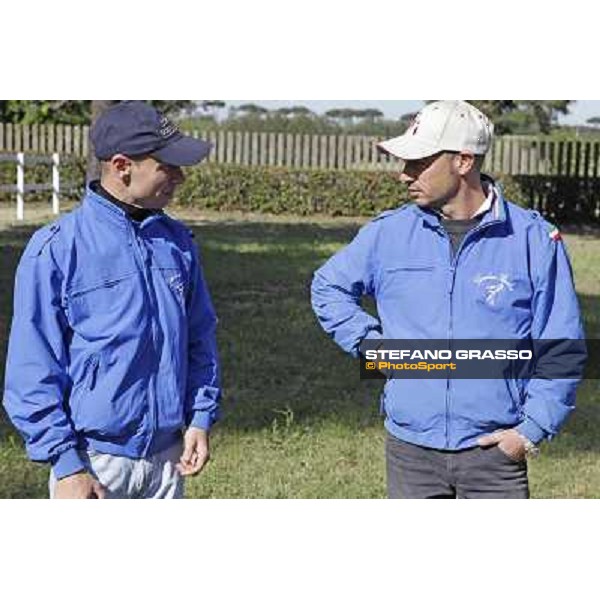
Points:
(72, 179)
(280, 190)
(513, 190)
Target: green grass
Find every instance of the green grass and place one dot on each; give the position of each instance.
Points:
(298, 422)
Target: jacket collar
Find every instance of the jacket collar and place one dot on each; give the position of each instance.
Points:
(135, 213)
(107, 210)
(495, 215)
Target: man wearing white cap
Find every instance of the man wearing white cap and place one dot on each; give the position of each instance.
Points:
(458, 263)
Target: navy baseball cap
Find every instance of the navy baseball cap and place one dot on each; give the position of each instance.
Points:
(135, 128)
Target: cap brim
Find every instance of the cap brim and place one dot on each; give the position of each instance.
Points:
(184, 152)
(408, 147)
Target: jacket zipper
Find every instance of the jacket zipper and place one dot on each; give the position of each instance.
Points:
(450, 333)
(141, 260)
(453, 266)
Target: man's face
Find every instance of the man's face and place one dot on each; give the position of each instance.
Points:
(153, 183)
(432, 181)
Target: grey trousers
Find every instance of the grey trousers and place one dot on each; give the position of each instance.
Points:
(122, 477)
(418, 472)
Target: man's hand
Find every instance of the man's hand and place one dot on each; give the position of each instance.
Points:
(195, 452)
(510, 441)
(79, 486)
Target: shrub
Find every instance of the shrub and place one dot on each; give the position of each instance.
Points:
(283, 190)
(72, 178)
(280, 190)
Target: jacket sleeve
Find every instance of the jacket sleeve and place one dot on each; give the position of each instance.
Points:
(37, 380)
(203, 380)
(556, 316)
(337, 289)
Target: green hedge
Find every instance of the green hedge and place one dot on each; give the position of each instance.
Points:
(72, 175)
(274, 190)
(279, 190)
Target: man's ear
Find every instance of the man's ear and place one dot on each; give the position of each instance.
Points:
(465, 162)
(121, 166)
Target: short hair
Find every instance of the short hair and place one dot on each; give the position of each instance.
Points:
(479, 160)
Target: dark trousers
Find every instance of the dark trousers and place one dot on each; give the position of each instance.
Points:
(418, 472)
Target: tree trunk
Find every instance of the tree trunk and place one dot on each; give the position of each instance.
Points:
(93, 165)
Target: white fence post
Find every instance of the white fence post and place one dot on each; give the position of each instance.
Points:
(20, 185)
(55, 183)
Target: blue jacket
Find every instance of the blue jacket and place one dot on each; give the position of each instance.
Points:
(112, 343)
(404, 260)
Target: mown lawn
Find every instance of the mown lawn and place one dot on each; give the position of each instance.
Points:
(298, 422)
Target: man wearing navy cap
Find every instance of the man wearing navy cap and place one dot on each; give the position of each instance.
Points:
(112, 373)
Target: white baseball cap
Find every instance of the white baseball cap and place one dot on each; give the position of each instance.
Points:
(446, 125)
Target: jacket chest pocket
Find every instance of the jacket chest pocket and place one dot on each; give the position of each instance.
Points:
(407, 281)
(97, 308)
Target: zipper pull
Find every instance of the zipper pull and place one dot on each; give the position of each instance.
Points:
(452, 271)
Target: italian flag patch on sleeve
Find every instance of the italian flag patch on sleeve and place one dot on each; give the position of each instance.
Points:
(554, 233)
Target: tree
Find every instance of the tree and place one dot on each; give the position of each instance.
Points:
(253, 109)
(298, 111)
(70, 112)
(293, 111)
(523, 116)
(342, 116)
(370, 114)
(594, 121)
(210, 105)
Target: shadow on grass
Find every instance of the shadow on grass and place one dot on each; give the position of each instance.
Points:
(278, 366)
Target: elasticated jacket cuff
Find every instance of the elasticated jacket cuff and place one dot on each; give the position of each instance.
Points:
(201, 420)
(372, 334)
(67, 463)
(531, 430)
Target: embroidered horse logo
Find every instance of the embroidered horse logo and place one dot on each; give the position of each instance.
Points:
(493, 286)
(175, 282)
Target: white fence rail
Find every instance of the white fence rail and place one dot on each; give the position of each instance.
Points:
(21, 188)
